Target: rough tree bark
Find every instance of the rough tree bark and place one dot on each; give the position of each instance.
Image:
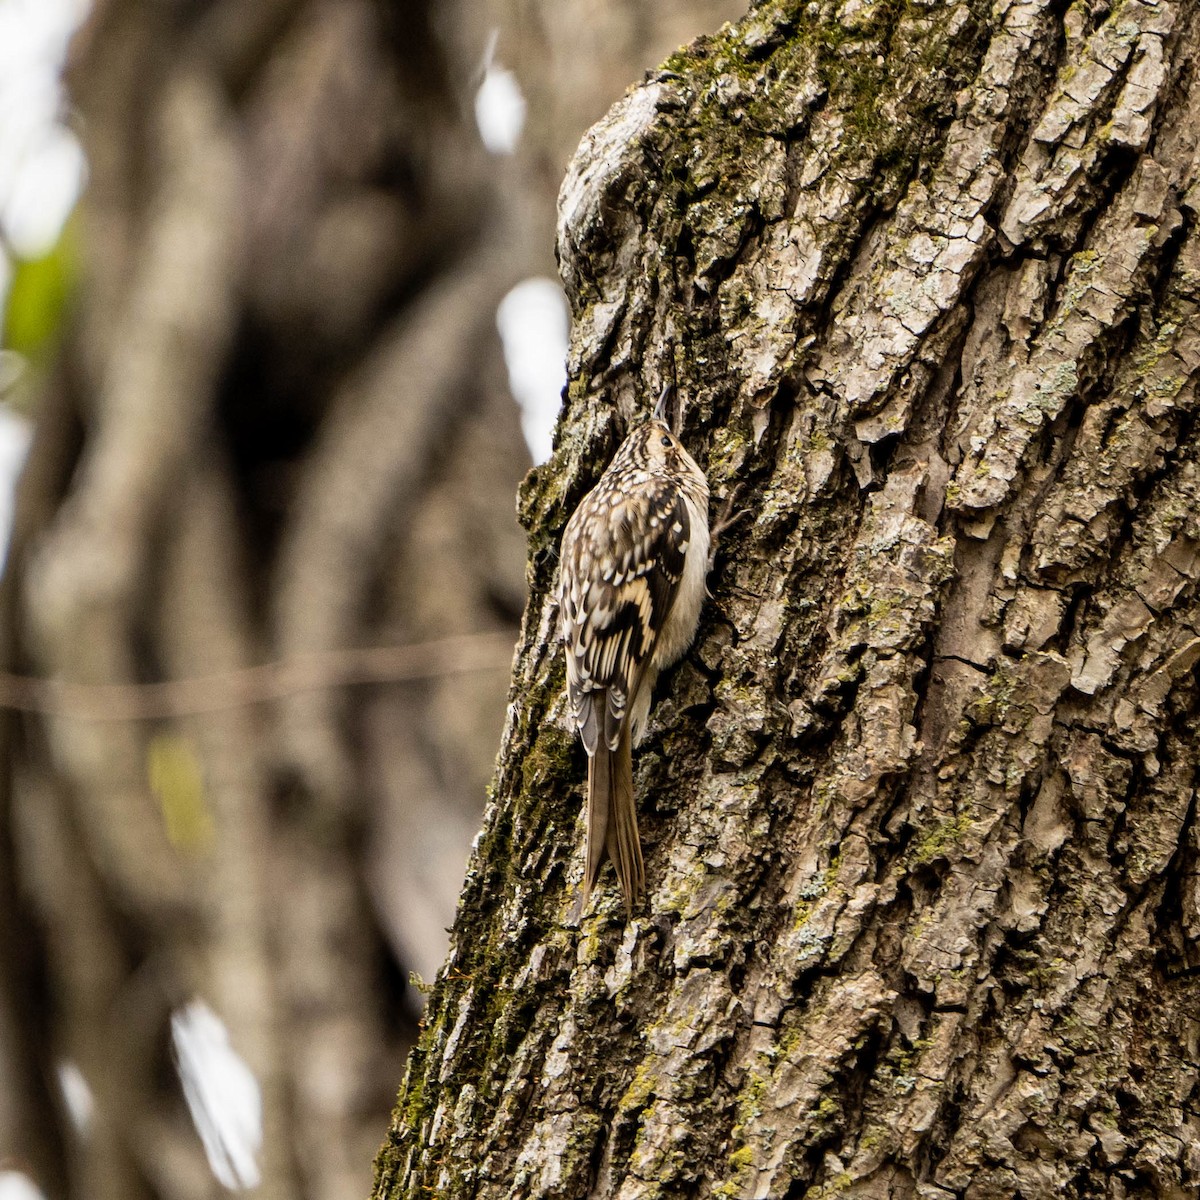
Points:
(919, 806)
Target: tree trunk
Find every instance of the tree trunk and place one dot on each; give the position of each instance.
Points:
(918, 807)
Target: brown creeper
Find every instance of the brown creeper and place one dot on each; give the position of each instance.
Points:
(632, 580)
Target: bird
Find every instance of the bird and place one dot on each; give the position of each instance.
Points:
(633, 566)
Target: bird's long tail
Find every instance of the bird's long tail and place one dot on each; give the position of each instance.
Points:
(612, 826)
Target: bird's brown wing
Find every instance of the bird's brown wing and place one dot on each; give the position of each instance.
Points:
(621, 566)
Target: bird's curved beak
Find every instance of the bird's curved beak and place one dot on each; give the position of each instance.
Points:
(663, 410)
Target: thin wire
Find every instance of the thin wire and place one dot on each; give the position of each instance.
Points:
(474, 652)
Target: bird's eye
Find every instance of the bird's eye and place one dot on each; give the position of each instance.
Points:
(666, 441)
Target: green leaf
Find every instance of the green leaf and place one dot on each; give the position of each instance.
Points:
(38, 298)
(176, 778)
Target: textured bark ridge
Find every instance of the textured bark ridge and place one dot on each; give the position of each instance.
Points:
(919, 806)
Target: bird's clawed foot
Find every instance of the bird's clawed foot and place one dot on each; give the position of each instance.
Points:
(726, 518)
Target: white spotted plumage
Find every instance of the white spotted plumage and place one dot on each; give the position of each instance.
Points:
(633, 565)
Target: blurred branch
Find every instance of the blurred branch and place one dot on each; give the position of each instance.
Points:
(364, 476)
(258, 684)
(150, 383)
(206, 624)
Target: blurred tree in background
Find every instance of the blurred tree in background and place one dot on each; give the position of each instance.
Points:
(276, 432)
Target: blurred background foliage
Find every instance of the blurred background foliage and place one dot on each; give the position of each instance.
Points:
(268, 386)
(35, 306)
